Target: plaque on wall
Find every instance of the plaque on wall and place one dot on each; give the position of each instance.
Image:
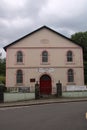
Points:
(45, 41)
(42, 70)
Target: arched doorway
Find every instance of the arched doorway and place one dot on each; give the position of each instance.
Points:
(45, 84)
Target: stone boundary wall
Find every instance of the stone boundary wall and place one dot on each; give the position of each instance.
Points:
(75, 94)
(11, 97)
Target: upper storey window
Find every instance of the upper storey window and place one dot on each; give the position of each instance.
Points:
(45, 56)
(19, 57)
(69, 56)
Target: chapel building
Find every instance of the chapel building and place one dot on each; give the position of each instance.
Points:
(45, 56)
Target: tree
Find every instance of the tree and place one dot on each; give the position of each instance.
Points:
(81, 39)
(2, 67)
(2, 70)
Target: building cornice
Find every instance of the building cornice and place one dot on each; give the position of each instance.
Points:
(56, 67)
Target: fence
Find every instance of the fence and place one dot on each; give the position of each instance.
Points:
(24, 93)
(18, 94)
(18, 89)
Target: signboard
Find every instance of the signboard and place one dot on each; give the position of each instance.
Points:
(24, 89)
(76, 88)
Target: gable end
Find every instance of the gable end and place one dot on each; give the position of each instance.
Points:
(37, 31)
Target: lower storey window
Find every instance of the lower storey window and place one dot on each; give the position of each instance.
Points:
(19, 76)
(70, 75)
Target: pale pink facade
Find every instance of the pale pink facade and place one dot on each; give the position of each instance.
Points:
(32, 66)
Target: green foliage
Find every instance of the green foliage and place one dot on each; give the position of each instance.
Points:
(2, 70)
(2, 79)
(81, 39)
(2, 67)
(85, 72)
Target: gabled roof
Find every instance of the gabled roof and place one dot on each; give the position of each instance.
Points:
(37, 31)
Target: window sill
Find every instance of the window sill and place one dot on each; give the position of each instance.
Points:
(71, 83)
(19, 84)
(70, 63)
(45, 63)
(20, 63)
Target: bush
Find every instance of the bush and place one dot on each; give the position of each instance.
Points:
(2, 79)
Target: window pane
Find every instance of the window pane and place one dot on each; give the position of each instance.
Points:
(70, 75)
(19, 56)
(45, 53)
(45, 78)
(44, 59)
(44, 56)
(69, 59)
(69, 56)
(19, 76)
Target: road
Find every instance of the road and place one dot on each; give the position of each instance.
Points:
(57, 116)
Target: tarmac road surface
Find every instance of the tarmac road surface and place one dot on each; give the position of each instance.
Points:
(57, 116)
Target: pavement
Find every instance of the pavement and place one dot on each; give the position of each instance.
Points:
(42, 101)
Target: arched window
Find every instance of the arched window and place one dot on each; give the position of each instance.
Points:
(44, 56)
(19, 76)
(69, 56)
(70, 75)
(19, 56)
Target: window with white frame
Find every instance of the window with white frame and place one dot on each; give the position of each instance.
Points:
(44, 57)
(19, 57)
(69, 56)
(70, 75)
(19, 77)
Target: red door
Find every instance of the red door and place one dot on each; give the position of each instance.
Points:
(45, 84)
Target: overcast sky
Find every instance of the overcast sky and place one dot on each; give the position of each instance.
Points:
(20, 17)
